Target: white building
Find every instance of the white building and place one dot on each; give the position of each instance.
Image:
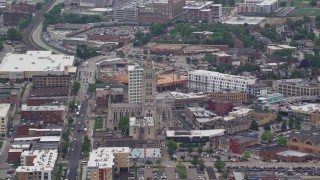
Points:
(37, 163)
(135, 76)
(4, 115)
(257, 6)
(24, 66)
(209, 81)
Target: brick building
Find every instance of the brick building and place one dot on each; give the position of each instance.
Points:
(10, 95)
(14, 155)
(222, 58)
(52, 100)
(237, 144)
(12, 18)
(49, 91)
(25, 7)
(270, 152)
(51, 81)
(233, 96)
(305, 141)
(220, 107)
(25, 125)
(46, 114)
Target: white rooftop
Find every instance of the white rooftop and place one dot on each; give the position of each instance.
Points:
(134, 67)
(152, 153)
(195, 133)
(146, 121)
(221, 75)
(179, 95)
(4, 109)
(247, 20)
(103, 156)
(197, 5)
(50, 139)
(292, 153)
(45, 130)
(44, 160)
(310, 107)
(35, 61)
(25, 107)
(240, 112)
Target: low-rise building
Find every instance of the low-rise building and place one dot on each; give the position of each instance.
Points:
(275, 48)
(46, 114)
(5, 117)
(220, 107)
(14, 155)
(222, 58)
(233, 96)
(25, 66)
(37, 164)
(238, 144)
(51, 81)
(181, 99)
(262, 102)
(270, 152)
(257, 90)
(25, 7)
(292, 156)
(297, 87)
(49, 91)
(12, 18)
(305, 141)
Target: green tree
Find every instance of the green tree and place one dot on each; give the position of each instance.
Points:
(209, 151)
(313, 2)
(182, 170)
(182, 157)
(267, 136)
(246, 154)
(172, 147)
(219, 165)
(123, 125)
(267, 127)
(210, 58)
(223, 68)
(76, 86)
(296, 74)
(279, 118)
(231, 2)
(297, 123)
(194, 161)
(91, 88)
(86, 144)
(224, 175)
(201, 165)
(70, 120)
(72, 104)
(190, 150)
(282, 140)
(85, 52)
(38, 6)
(24, 22)
(254, 125)
(14, 34)
(283, 4)
(291, 122)
(284, 125)
(98, 123)
(121, 54)
(200, 150)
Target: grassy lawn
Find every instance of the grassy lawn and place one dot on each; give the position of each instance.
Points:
(306, 12)
(301, 3)
(98, 123)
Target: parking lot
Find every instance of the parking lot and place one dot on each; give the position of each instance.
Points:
(128, 31)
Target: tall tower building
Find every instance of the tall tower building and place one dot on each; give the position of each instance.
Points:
(135, 77)
(149, 89)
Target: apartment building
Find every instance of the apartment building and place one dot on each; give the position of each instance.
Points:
(208, 81)
(12, 18)
(4, 115)
(46, 114)
(257, 6)
(37, 164)
(135, 76)
(198, 11)
(51, 81)
(216, 10)
(103, 162)
(296, 87)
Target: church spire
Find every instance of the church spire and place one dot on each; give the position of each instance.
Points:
(148, 55)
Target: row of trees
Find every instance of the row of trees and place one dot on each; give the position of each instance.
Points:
(85, 52)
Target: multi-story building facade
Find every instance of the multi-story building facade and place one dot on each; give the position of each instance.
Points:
(24, 7)
(257, 6)
(276, 98)
(12, 18)
(216, 10)
(305, 141)
(135, 77)
(297, 87)
(37, 164)
(209, 81)
(4, 118)
(239, 143)
(46, 114)
(198, 11)
(233, 96)
(256, 90)
(51, 81)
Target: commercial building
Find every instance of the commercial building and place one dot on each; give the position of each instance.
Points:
(239, 143)
(198, 11)
(25, 66)
(135, 76)
(12, 18)
(233, 96)
(275, 48)
(24, 7)
(37, 164)
(297, 87)
(306, 112)
(257, 6)
(276, 98)
(181, 99)
(257, 90)
(14, 155)
(49, 91)
(5, 116)
(104, 162)
(270, 152)
(201, 137)
(220, 107)
(305, 141)
(210, 81)
(46, 114)
(10, 95)
(51, 81)
(222, 58)
(292, 156)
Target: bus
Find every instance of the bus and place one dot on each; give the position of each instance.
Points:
(79, 107)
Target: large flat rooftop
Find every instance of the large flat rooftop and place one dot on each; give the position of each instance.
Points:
(103, 157)
(221, 75)
(244, 20)
(25, 107)
(35, 61)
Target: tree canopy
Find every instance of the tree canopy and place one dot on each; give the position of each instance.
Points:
(282, 140)
(254, 126)
(172, 147)
(267, 136)
(14, 34)
(123, 125)
(85, 52)
(219, 165)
